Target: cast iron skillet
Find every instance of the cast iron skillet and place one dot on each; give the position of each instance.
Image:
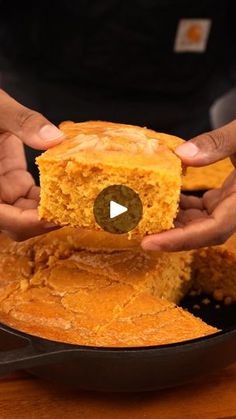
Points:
(124, 369)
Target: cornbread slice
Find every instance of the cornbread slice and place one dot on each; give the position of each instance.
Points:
(66, 303)
(98, 154)
(208, 177)
(215, 271)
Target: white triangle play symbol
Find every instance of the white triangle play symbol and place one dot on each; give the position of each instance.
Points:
(116, 209)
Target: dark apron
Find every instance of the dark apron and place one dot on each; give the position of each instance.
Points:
(115, 60)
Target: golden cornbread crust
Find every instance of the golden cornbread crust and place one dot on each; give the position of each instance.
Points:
(208, 177)
(215, 271)
(62, 291)
(97, 154)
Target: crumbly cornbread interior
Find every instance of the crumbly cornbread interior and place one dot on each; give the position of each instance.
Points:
(97, 154)
(215, 271)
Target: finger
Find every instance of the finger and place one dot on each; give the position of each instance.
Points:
(26, 203)
(190, 201)
(209, 147)
(192, 236)
(21, 224)
(211, 199)
(13, 183)
(30, 126)
(189, 215)
(230, 182)
(233, 159)
(30, 201)
(12, 153)
(34, 193)
(208, 231)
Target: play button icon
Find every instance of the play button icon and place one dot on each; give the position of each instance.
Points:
(118, 209)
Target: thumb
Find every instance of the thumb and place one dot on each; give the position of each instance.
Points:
(209, 147)
(30, 126)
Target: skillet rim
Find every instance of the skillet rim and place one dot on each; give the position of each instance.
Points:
(101, 349)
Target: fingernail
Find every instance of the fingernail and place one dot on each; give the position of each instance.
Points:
(150, 245)
(187, 150)
(49, 225)
(50, 133)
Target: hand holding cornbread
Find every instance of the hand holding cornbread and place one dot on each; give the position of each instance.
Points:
(19, 196)
(95, 151)
(200, 222)
(209, 220)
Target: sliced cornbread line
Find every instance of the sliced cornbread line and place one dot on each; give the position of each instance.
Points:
(161, 274)
(150, 328)
(166, 305)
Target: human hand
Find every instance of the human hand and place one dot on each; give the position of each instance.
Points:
(19, 196)
(209, 220)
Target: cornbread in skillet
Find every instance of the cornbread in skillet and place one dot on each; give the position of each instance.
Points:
(88, 309)
(207, 177)
(98, 154)
(162, 274)
(215, 271)
(94, 297)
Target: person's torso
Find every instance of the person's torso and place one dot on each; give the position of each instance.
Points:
(122, 55)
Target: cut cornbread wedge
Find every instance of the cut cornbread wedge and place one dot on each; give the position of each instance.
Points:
(165, 275)
(98, 154)
(162, 275)
(207, 177)
(215, 271)
(152, 325)
(87, 290)
(61, 243)
(66, 303)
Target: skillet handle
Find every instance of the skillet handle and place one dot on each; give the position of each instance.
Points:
(16, 359)
(22, 356)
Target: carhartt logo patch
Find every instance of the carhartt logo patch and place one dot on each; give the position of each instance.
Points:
(192, 35)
